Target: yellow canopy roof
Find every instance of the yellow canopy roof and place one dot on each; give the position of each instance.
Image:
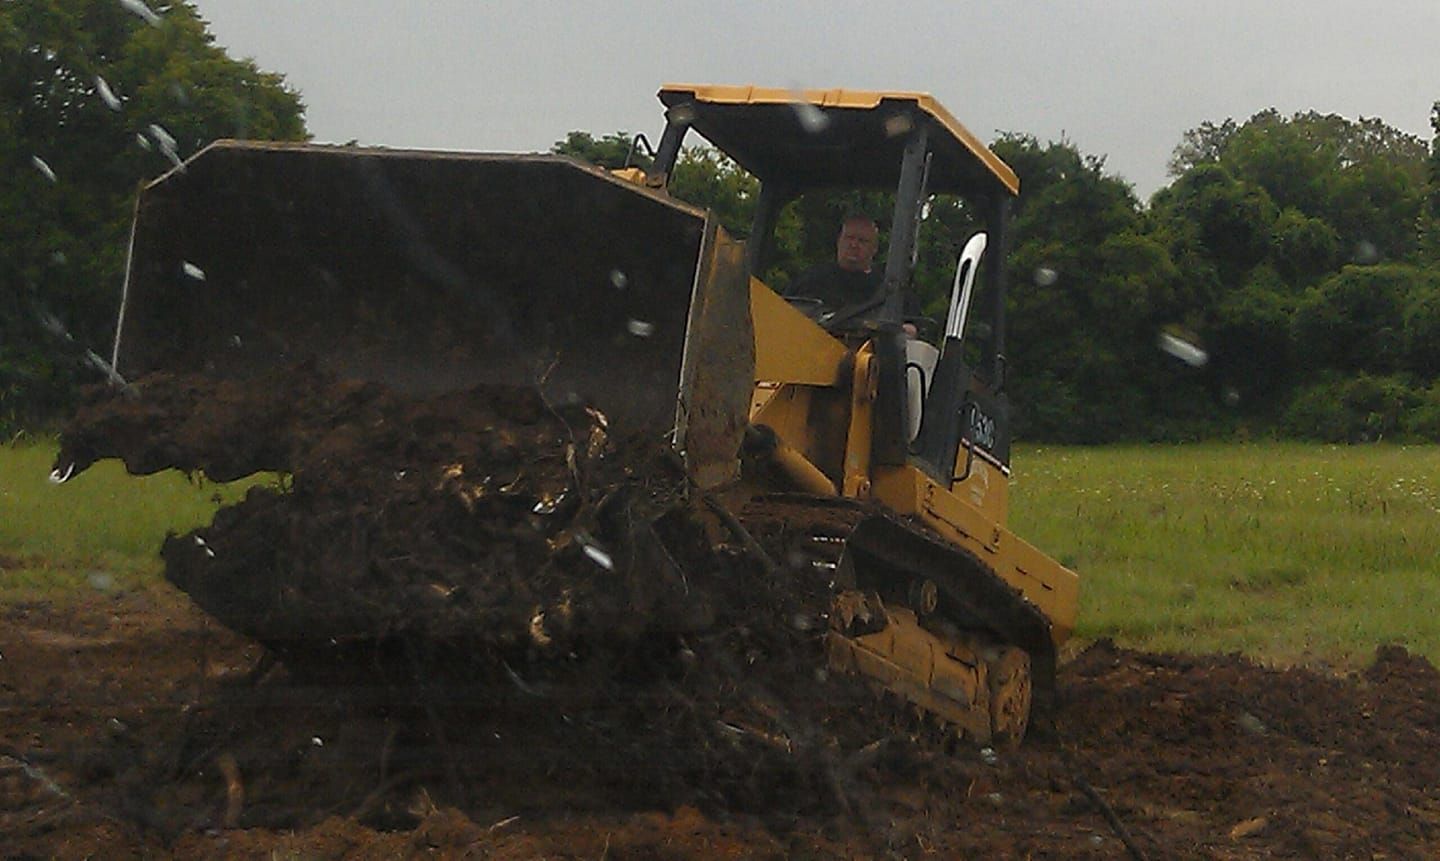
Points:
(837, 138)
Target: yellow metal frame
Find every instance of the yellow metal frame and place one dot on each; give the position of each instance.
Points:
(729, 94)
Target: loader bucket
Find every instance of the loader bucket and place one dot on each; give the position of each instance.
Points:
(427, 271)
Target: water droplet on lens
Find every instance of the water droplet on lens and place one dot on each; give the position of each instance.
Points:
(619, 279)
(812, 119)
(640, 328)
(1046, 277)
(1366, 253)
(898, 124)
(139, 9)
(44, 168)
(193, 271)
(143, 141)
(1182, 349)
(1231, 396)
(107, 95)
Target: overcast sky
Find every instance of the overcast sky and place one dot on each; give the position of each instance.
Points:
(1123, 79)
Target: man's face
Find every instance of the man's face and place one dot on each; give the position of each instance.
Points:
(856, 246)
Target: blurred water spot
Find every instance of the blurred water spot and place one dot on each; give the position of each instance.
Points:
(619, 279)
(101, 580)
(812, 119)
(166, 142)
(640, 328)
(1366, 253)
(1231, 396)
(192, 271)
(682, 114)
(181, 94)
(200, 542)
(44, 168)
(139, 9)
(898, 124)
(1045, 276)
(107, 95)
(59, 258)
(1182, 350)
(142, 11)
(599, 557)
(143, 141)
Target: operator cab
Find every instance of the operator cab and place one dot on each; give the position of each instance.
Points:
(932, 405)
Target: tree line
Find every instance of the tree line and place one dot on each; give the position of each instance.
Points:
(1285, 282)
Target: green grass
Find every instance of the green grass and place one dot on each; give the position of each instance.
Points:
(100, 530)
(1287, 552)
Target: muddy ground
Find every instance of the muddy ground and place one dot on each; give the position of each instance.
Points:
(479, 626)
(124, 712)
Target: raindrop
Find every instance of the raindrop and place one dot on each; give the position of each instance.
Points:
(1366, 253)
(1045, 276)
(1182, 350)
(897, 125)
(107, 95)
(599, 556)
(100, 580)
(138, 8)
(235, 341)
(640, 328)
(58, 477)
(548, 504)
(166, 142)
(682, 114)
(192, 271)
(317, 741)
(44, 168)
(200, 542)
(1231, 396)
(812, 119)
(143, 141)
(619, 279)
(59, 258)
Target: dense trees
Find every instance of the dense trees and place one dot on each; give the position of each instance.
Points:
(94, 99)
(1298, 256)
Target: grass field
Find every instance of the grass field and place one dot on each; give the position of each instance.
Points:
(102, 529)
(1286, 552)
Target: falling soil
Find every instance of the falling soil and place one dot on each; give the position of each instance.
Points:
(479, 626)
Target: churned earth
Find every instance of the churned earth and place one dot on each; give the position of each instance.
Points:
(481, 625)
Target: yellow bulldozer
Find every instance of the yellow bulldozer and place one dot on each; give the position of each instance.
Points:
(885, 455)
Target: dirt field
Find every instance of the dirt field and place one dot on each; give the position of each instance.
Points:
(123, 715)
(502, 634)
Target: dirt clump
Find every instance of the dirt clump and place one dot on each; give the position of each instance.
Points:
(504, 633)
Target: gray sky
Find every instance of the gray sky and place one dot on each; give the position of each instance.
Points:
(1123, 79)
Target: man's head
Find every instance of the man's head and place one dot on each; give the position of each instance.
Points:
(856, 245)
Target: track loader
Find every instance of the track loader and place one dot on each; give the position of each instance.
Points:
(871, 458)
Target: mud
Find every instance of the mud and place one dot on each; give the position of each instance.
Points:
(444, 690)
